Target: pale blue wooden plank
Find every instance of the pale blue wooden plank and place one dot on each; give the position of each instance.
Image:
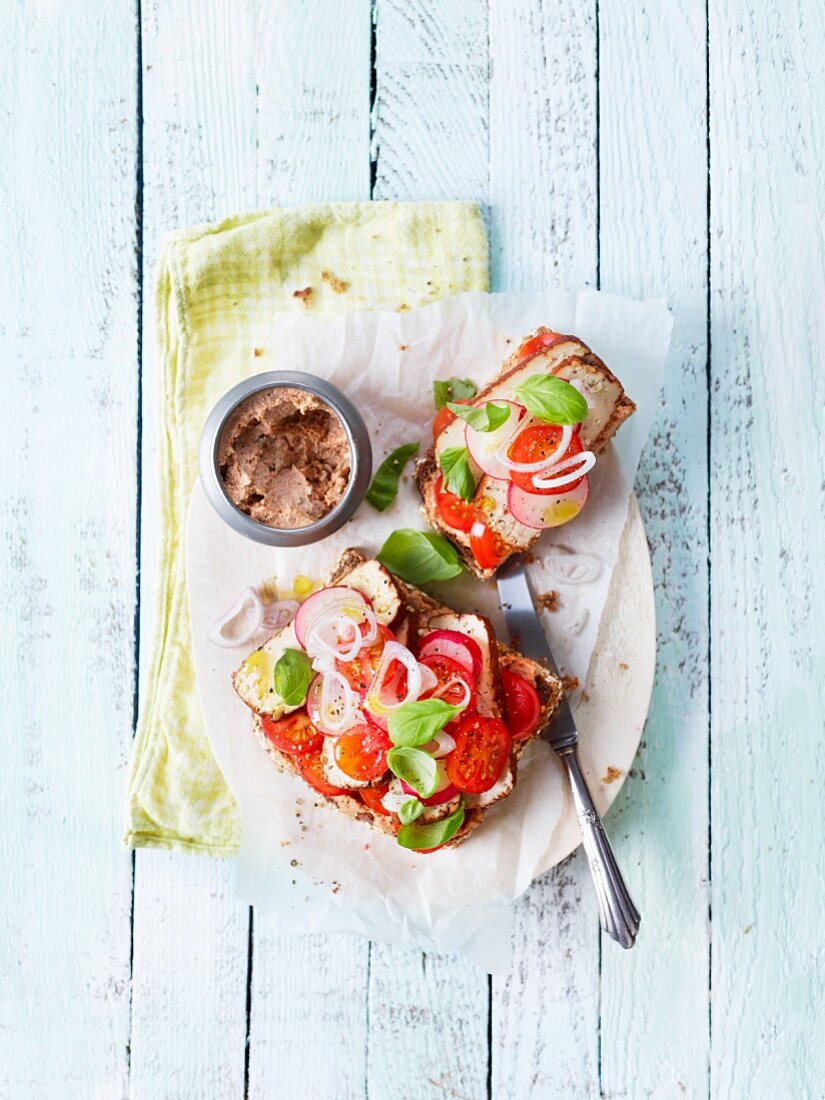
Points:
(545, 1016)
(767, 112)
(653, 233)
(67, 562)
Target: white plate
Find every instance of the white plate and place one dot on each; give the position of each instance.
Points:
(610, 716)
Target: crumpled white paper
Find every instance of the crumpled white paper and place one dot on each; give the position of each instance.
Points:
(308, 867)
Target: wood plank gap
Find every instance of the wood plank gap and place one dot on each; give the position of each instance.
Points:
(250, 947)
(138, 462)
(373, 148)
(709, 535)
(598, 111)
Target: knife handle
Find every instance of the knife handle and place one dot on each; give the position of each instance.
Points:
(619, 916)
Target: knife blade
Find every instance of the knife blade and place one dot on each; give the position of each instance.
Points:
(527, 635)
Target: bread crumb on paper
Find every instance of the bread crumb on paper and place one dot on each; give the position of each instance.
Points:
(623, 666)
(304, 295)
(611, 775)
(337, 286)
(569, 683)
(549, 601)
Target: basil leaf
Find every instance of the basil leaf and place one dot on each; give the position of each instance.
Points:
(418, 837)
(458, 477)
(293, 675)
(416, 768)
(453, 389)
(384, 485)
(410, 810)
(552, 399)
(418, 722)
(481, 418)
(419, 557)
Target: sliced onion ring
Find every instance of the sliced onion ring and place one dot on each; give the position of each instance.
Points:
(253, 617)
(578, 465)
(276, 615)
(393, 651)
(455, 680)
(331, 706)
(542, 464)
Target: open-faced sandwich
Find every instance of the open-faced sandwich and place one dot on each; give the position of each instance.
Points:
(402, 713)
(512, 459)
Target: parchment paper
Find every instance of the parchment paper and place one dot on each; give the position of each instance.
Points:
(302, 863)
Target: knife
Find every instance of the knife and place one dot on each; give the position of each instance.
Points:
(619, 916)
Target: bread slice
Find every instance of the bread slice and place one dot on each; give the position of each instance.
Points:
(410, 613)
(568, 358)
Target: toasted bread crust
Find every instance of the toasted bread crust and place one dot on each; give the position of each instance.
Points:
(416, 609)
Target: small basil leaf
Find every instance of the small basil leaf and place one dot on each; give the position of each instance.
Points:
(416, 768)
(452, 389)
(481, 418)
(418, 722)
(384, 485)
(552, 399)
(419, 557)
(458, 477)
(410, 810)
(293, 675)
(418, 837)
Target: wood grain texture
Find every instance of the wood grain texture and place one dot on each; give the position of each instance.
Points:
(430, 125)
(545, 1016)
(653, 243)
(67, 562)
(767, 112)
(428, 1014)
(308, 1027)
(199, 163)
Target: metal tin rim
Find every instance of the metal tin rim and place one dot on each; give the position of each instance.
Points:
(357, 439)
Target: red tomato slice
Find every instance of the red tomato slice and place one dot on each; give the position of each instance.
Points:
(360, 672)
(456, 513)
(450, 672)
(361, 753)
(440, 421)
(371, 796)
(310, 769)
(293, 734)
(523, 704)
(452, 643)
(485, 546)
(536, 344)
(536, 443)
(482, 745)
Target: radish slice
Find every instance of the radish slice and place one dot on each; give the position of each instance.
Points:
(330, 704)
(377, 702)
(559, 476)
(540, 510)
(453, 644)
(326, 598)
(443, 792)
(247, 604)
(541, 464)
(484, 446)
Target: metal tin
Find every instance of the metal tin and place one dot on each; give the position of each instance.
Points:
(359, 447)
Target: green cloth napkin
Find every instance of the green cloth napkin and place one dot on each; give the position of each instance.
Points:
(217, 289)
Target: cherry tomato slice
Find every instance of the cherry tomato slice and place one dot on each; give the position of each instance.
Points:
(310, 769)
(536, 344)
(294, 734)
(361, 753)
(371, 797)
(450, 672)
(523, 704)
(456, 513)
(482, 745)
(536, 443)
(360, 672)
(485, 546)
(445, 417)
